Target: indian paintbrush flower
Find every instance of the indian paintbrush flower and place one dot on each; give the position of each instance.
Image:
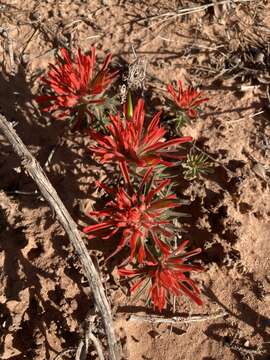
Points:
(73, 86)
(131, 141)
(187, 100)
(137, 215)
(166, 276)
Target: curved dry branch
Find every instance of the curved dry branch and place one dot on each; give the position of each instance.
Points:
(33, 168)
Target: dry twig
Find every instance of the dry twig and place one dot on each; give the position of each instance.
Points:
(245, 118)
(177, 319)
(191, 10)
(33, 168)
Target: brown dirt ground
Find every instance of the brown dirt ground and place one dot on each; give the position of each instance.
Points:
(44, 297)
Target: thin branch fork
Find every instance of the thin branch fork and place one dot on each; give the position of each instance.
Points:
(83, 347)
(33, 168)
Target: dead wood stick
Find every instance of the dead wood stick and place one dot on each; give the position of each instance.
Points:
(33, 168)
(176, 319)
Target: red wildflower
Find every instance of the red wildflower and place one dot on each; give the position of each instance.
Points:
(136, 214)
(167, 277)
(132, 141)
(72, 85)
(188, 99)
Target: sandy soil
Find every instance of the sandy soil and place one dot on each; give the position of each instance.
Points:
(44, 297)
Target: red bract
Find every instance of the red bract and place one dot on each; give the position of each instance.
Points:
(188, 99)
(166, 277)
(136, 215)
(73, 85)
(132, 141)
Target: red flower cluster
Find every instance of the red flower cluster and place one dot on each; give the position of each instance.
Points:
(141, 216)
(132, 141)
(139, 209)
(137, 215)
(73, 85)
(166, 276)
(187, 100)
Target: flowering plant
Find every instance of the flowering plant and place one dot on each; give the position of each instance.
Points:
(166, 276)
(185, 104)
(73, 87)
(139, 205)
(132, 142)
(187, 100)
(138, 215)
